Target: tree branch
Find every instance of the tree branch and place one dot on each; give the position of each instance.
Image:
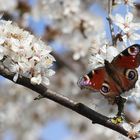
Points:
(80, 108)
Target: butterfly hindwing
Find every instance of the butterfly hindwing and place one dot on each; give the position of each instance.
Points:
(129, 58)
(126, 63)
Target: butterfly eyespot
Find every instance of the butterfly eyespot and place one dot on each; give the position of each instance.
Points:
(131, 74)
(133, 50)
(105, 89)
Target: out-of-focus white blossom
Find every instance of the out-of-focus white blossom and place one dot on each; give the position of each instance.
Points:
(7, 5)
(133, 129)
(126, 2)
(82, 29)
(78, 26)
(23, 54)
(62, 8)
(131, 109)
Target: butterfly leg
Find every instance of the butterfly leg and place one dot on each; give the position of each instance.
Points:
(120, 101)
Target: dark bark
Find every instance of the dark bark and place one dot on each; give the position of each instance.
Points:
(80, 108)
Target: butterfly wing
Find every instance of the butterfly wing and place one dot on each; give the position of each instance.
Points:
(129, 58)
(126, 63)
(93, 80)
(123, 68)
(123, 78)
(99, 80)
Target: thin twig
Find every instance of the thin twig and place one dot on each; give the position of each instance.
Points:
(80, 108)
(110, 22)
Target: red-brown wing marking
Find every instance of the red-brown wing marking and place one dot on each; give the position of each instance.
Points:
(126, 62)
(127, 82)
(129, 58)
(93, 79)
(99, 80)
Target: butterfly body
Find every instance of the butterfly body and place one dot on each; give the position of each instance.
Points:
(116, 77)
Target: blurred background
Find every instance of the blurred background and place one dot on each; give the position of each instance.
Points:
(70, 27)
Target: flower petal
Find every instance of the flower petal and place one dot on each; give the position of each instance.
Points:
(36, 80)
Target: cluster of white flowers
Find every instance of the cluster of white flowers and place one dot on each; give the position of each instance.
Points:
(97, 59)
(128, 27)
(24, 55)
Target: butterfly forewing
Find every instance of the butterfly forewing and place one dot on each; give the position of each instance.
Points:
(94, 79)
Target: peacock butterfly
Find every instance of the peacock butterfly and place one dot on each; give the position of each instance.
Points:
(116, 77)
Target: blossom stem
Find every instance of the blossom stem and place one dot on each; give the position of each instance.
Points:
(80, 108)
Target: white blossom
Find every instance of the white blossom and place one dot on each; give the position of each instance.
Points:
(96, 60)
(128, 27)
(125, 23)
(24, 54)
